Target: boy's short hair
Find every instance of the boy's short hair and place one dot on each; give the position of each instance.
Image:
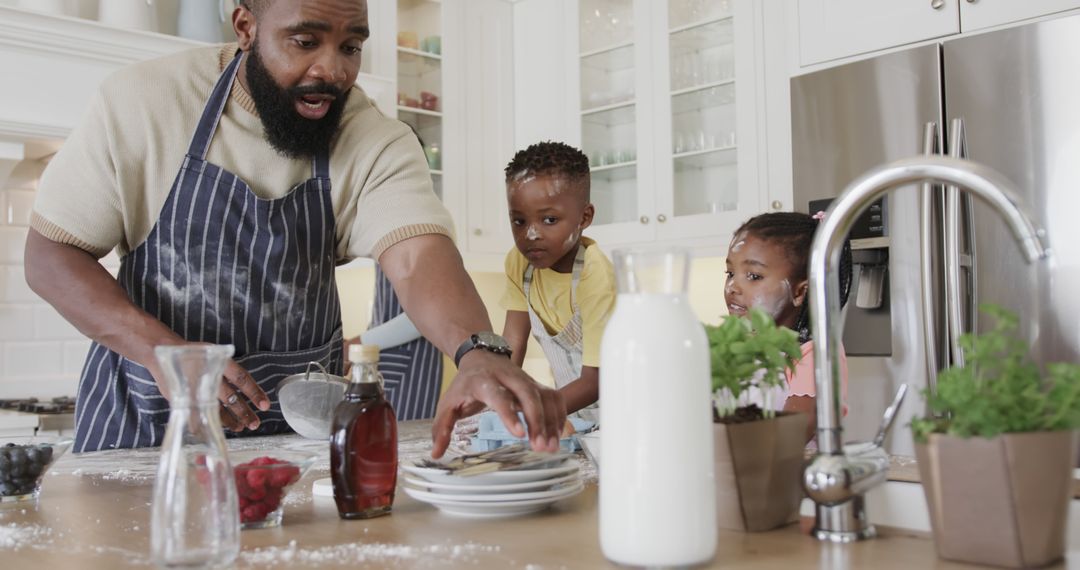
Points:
(550, 157)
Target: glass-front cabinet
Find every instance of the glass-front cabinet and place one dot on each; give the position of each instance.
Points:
(668, 116)
(420, 78)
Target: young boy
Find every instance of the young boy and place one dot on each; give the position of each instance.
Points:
(559, 285)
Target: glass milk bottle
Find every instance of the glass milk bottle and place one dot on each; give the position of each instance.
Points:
(657, 491)
(195, 519)
(363, 441)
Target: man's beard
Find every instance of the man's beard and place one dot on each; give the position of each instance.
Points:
(290, 134)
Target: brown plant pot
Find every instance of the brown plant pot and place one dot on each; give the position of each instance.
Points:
(758, 472)
(1002, 501)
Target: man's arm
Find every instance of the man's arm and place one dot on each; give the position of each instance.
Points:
(85, 294)
(430, 280)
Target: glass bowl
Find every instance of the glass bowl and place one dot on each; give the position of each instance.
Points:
(24, 460)
(263, 478)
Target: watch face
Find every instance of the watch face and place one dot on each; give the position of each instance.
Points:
(492, 340)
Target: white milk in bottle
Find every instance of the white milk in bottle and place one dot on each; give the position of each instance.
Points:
(657, 488)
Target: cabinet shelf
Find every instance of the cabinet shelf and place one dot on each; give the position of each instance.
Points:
(609, 107)
(608, 49)
(700, 23)
(708, 157)
(418, 111)
(610, 167)
(419, 53)
(702, 87)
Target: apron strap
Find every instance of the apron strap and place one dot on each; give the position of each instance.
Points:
(215, 106)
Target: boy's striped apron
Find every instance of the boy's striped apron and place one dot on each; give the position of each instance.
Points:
(564, 349)
(223, 266)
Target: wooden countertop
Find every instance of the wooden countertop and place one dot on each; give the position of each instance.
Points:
(94, 513)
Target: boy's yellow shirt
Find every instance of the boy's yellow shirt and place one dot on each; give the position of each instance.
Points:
(550, 296)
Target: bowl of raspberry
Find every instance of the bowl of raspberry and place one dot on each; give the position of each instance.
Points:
(263, 479)
(24, 460)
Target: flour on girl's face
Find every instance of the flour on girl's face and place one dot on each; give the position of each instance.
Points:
(775, 302)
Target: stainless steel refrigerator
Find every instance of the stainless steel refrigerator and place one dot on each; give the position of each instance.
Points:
(1009, 99)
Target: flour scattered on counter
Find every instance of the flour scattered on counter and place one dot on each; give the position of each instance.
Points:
(358, 553)
(14, 536)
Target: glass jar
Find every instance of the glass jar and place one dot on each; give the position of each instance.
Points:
(194, 519)
(657, 488)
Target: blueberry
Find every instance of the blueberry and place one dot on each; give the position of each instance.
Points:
(34, 455)
(46, 453)
(10, 444)
(7, 489)
(18, 470)
(18, 456)
(5, 464)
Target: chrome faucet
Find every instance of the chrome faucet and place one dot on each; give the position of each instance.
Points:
(838, 476)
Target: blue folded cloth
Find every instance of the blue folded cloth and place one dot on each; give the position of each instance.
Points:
(492, 434)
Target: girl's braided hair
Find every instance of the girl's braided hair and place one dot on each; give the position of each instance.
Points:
(794, 231)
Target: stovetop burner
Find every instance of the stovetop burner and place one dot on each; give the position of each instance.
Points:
(58, 405)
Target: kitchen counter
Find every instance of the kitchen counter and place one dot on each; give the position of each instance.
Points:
(95, 508)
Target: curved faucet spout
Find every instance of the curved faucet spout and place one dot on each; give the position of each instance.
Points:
(984, 182)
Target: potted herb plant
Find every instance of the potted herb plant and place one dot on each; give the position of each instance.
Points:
(997, 452)
(758, 452)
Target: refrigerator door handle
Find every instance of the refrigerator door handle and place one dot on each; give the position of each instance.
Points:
(961, 306)
(934, 344)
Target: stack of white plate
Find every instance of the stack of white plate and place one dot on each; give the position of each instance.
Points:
(497, 494)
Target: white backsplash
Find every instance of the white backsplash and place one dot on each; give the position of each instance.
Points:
(41, 354)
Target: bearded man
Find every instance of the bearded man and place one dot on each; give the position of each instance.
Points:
(231, 180)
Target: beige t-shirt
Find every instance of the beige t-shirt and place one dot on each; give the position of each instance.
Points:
(106, 187)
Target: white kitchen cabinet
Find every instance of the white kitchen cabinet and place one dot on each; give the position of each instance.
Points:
(664, 99)
(980, 14)
(836, 29)
(667, 103)
(833, 29)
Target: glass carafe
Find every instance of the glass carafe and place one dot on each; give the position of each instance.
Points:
(195, 519)
(657, 489)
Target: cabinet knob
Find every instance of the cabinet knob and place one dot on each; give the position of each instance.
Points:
(478, 232)
(777, 205)
(939, 4)
(644, 219)
(661, 218)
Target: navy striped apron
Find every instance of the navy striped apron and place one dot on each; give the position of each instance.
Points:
(223, 266)
(413, 371)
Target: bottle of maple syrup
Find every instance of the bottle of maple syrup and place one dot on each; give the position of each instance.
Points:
(363, 441)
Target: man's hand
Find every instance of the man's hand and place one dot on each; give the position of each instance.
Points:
(239, 394)
(491, 380)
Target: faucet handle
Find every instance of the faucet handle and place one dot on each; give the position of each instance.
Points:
(890, 416)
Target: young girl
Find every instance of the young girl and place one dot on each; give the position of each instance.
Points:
(767, 266)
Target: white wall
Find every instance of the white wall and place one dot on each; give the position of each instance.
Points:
(41, 354)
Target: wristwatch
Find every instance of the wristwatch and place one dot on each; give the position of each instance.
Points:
(488, 341)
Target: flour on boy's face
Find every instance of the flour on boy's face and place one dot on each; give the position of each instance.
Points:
(547, 215)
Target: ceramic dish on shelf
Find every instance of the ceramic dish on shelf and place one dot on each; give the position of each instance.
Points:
(452, 489)
(495, 478)
(493, 509)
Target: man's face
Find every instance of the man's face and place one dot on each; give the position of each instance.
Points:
(302, 58)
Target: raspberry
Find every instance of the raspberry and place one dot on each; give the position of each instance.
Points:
(273, 501)
(253, 513)
(256, 478)
(257, 494)
(282, 476)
